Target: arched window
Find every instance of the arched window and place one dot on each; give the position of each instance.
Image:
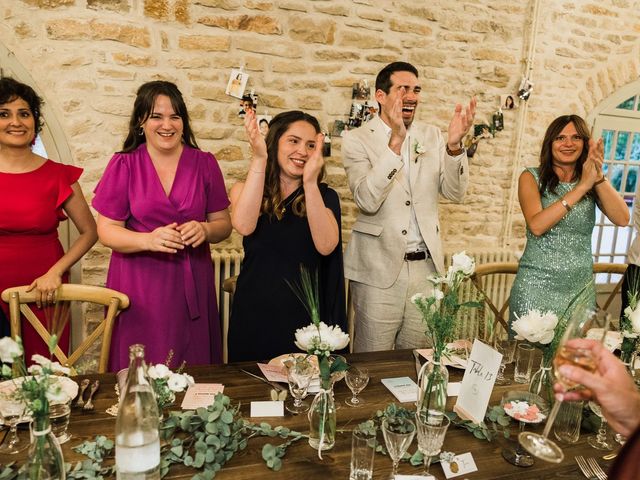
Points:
(617, 121)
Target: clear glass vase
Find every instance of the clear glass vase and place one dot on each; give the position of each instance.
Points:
(45, 460)
(432, 389)
(542, 382)
(322, 420)
(566, 427)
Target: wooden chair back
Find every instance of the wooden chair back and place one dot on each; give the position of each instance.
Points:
(19, 299)
(229, 286)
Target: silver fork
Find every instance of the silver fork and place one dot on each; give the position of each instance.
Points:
(94, 388)
(584, 468)
(597, 469)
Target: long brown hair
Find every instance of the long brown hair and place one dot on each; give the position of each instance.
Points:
(271, 197)
(548, 178)
(143, 108)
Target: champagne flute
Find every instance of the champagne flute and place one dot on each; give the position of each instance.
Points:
(568, 352)
(430, 437)
(398, 433)
(11, 410)
(299, 374)
(356, 379)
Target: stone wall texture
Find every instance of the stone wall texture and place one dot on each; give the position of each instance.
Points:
(89, 56)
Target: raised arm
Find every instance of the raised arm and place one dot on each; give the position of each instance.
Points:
(246, 197)
(322, 222)
(609, 200)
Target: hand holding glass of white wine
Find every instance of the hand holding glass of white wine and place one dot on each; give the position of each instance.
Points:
(570, 350)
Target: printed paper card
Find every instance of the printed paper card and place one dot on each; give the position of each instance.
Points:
(460, 465)
(403, 388)
(477, 383)
(201, 395)
(267, 409)
(273, 373)
(415, 477)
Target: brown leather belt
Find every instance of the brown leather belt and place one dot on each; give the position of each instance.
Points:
(412, 256)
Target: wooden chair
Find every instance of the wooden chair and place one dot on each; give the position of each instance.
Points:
(19, 299)
(493, 282)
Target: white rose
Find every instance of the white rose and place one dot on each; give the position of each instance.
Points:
(463, 263)
(536, 327)
(189, 378)
(9, 349)
(305, 337)
(55, 394)
(43, 362)
(634, 318)
(333, 336)
(438, 294)
(177, 382)
(159, 371)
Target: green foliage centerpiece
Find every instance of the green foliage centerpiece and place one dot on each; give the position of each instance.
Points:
(320, 339)
(439, 312)
(630, 322)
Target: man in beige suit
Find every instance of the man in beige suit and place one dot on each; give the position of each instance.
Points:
(396, 170)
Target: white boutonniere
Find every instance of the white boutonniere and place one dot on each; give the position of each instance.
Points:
(419, 148)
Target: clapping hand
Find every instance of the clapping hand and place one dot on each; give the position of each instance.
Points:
(256, 140)
(592, 167)
(461, 123)
(395, 114)
(314, 163)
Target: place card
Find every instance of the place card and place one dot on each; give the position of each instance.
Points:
(453, 389)
(460, 465)
(267, 409)
(200, 395)
(403, 388)
(477, 383)
(414, 477)
(273, 373)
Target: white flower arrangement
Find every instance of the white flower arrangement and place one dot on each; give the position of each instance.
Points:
(633, 316)
(536, 327)
(321, 339)
(167, 383)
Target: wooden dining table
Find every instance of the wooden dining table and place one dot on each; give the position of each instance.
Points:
(301, 461)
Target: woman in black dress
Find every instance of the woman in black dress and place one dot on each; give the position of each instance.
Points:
(288, 218)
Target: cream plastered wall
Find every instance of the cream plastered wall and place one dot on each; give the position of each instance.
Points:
(89, 56)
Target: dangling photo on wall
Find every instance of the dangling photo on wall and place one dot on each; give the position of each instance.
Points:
(237, 83)
(361, 91)
(248, 102)
(509, 102)
(263, 124)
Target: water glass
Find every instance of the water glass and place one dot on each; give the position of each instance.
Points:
(11, 411)
(430, 437)
(398, 433)
(363, 448)
(59, 414)
(566, 428)
(356, 379)
(524, 360)
(507, 347)
(299, 374)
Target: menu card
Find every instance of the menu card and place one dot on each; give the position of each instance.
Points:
(477, 383)
(201, 395)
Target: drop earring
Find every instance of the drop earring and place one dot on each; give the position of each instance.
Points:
(141, 131)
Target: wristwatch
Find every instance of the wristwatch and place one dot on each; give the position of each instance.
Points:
(454, 153)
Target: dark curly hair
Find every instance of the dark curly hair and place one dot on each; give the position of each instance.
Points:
(11, 89)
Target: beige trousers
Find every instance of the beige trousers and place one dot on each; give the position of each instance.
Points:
(385, 318)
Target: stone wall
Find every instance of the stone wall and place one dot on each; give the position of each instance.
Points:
(89, 56)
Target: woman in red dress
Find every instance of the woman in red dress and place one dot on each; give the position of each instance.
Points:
(35, 195)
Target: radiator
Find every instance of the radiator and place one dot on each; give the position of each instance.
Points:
(227, 264)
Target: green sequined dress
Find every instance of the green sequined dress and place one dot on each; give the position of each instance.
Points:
(556, 265)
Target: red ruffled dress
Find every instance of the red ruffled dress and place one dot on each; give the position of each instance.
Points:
(30, 211)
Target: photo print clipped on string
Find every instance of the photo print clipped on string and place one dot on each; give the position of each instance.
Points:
(237, 83)
(248, 102)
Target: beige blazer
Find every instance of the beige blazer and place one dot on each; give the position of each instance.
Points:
(375, 253)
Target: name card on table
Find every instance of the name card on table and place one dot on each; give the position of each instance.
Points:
(403, 388)
(477, 383)
(201, 395)
(460, 465)
(267, 409)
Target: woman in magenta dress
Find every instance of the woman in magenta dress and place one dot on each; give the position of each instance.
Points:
(161, 201)
(35, 195)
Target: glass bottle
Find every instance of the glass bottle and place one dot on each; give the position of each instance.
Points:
(137, 436)
(432, 389)
(44, 460)
(542, 382)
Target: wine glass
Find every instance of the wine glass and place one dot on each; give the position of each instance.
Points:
(519, 405)
(430, 437)
(299, 374)
(599, 441)
(356, 379)
(11, 410)
(398, 434)
(567, 352)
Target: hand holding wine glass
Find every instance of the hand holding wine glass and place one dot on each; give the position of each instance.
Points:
(570, 351)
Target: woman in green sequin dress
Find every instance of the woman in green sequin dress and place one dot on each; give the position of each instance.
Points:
(558, 202)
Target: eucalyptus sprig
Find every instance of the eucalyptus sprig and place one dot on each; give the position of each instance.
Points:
(489, 428)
